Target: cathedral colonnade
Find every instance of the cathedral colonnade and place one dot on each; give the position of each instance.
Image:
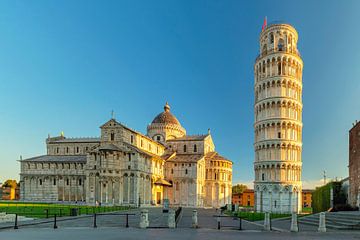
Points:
(129, 189)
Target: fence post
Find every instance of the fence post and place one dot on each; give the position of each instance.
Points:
(218, 222)
(294, 224)
(95, 220)
(127, 220)
(55, 226)
(240, 224)
(16, 222)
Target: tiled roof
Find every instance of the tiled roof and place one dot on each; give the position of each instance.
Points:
(57, 158)
(166, 117)
(111, 147)
(185, 158)
(215, 156)
(77, 140)
(189, 138)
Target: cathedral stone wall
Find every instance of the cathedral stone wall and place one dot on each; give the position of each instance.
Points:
(125, 167)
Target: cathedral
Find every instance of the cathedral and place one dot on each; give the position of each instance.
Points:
(126, 167)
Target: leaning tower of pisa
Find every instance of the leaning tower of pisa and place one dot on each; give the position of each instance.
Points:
(278, 121)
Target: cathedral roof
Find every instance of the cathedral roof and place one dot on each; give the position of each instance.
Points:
(189, 138)
(75, 140)
(166, 117)
(215, 156)
(57, 158)
(192, 158)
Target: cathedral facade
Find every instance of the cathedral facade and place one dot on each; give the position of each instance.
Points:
(126, 167)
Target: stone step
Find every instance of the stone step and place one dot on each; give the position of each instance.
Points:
(332, 221)
(331, 226)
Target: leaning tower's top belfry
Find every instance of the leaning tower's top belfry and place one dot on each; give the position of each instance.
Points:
(278, 120)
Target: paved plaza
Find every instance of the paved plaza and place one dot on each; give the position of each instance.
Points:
(112, 226)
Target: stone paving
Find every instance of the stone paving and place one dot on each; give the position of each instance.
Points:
(112, 233)
(112, 226)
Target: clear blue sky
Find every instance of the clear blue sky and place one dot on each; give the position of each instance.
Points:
(65, 65)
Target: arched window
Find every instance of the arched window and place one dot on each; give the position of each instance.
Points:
(77, 149)
(80, 182)
(184, 148)
(132, 139)
(195, 148)
(186, 171)
(172, 171)
(281, 44)
(67, 182)
(158, 138)
(67, 149)
(279, 68)
(54, 182)
(40, 181)
(263, 177)
(271, 37)
(112, 136)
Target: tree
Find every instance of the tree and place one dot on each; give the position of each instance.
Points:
(10, 183)
(239, 188)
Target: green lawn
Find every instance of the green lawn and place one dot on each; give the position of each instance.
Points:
(307, 210)
(255, 216)
(43, 210)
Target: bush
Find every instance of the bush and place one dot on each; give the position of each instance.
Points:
(321, 197)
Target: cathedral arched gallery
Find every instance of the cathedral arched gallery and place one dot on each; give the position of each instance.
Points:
(126, 167)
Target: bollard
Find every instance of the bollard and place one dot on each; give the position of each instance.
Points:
(95, 220)
(322, 223)
(267, 222)
(55, 226)
(218, 222)
(294, 224)
(194, 219)
(171, 218)
(127, 220)
(236, 207)
(240, 224)
(16, 222)
(229, 207)
(144, 220)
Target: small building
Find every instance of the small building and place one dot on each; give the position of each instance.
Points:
(244, 199)
(8, 193)
(306, 198)
(354, 165)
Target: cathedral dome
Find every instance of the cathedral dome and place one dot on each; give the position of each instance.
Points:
(165, 126)
(166, 117)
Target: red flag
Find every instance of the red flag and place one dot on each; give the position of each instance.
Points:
(264, 24)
